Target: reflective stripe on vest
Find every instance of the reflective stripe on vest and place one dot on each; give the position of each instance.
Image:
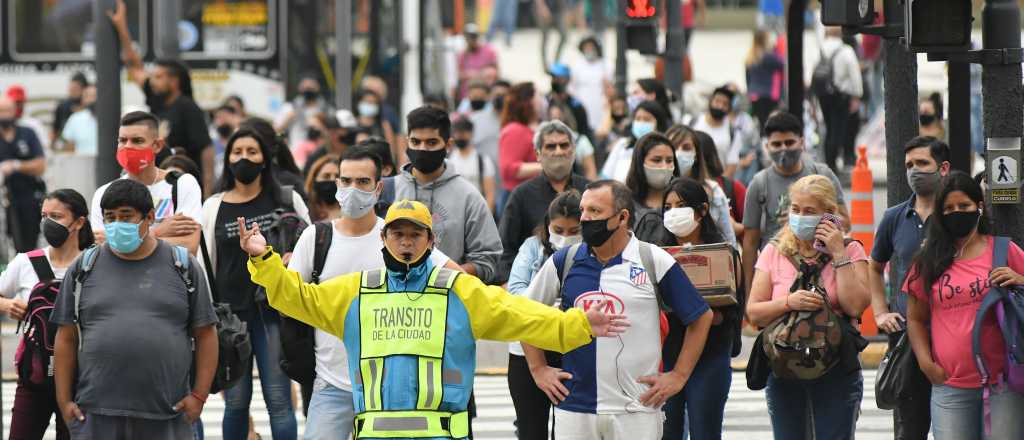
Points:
(405, 324)
(412, 424)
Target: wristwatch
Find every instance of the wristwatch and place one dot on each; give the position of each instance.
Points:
(845, 261)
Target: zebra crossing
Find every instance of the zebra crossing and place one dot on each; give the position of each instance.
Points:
(746, 412)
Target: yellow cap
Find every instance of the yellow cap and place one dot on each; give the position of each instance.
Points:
(410, 210)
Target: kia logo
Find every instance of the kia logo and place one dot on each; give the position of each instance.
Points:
(594, 299)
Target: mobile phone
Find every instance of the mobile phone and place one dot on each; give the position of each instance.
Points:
(831, 218)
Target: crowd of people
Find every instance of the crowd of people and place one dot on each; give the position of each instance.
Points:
(291, 228)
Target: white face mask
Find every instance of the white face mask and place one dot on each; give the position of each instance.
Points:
(686, 160)
(354, 202)
(559, 241)
(680, 221)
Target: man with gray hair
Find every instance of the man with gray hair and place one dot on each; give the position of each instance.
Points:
(555, 144)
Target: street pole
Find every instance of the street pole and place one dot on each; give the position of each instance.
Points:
(620, 48)
(960, 115)
(673, 58)
(598, 18)
(107, 62)
(343, 54)
(795, 56)
(169, 13)
(1003, 94)
(901, 112)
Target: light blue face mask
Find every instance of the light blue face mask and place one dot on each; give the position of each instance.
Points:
(640, 128)
(123, 237)
(803, 226)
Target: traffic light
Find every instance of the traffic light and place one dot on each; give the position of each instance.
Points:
(847, 12)
(641, 25)
(937, 25)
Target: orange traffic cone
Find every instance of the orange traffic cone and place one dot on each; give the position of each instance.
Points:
(862, 221)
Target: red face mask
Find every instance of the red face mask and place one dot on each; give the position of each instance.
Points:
(134, 160)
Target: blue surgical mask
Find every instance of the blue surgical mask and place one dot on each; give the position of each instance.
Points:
(803, 226)
(123, 237)
(640, 128)
(686, 160)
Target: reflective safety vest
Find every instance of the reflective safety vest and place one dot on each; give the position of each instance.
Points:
(405, 324)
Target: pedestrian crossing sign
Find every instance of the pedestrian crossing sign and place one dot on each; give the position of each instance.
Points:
(1004, 176)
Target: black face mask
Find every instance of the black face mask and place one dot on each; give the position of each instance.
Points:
(225, 130)
(477, 104)
(55, 233)
(6, 123)
(347, 139)
(427, 161)
(461, 143)
(596, 232)
(310, 95)
(246, 171)
(92, 108)
(75, 101)
(961, 223)
(717, 114)
(557, 87)
(326, 191)
(499, 103)
(313, 133)
(618, 118)
(927, 119)
(395, 265)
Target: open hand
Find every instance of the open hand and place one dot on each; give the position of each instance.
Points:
(1004, 277)
(250, 239)
(180, 225)
(663, 386)
(605, 324)
(549, 380)
(119, 16)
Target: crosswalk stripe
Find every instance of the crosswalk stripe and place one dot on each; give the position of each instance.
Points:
(746, 412)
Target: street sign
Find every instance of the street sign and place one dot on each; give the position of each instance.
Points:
(1004, 170)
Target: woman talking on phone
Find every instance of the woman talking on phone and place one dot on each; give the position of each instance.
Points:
(841, 270)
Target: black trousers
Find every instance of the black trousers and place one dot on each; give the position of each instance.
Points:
(23, 224)
(532, 406)
(836, 110)
(912, 417)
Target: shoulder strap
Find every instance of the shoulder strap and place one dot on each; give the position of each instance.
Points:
(208, 266)
(647, 260)
(287, 199)
(181, 265)
(324, 233)
(1000, 247)
(480, 168)
(88, 257)
(565, 265)
(387, 195)
(172, 178)
(41, 265)
(994, 296)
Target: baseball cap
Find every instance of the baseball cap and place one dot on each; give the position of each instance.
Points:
(410, 210)
(16, 93)
(559, 70)
(471, 29)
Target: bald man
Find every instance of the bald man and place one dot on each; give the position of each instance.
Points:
(22, 164)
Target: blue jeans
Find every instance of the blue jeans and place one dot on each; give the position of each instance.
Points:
(503, 15)
(829, 406)
(331, 412)
(264, 331)
(703, 399)
(957, 413)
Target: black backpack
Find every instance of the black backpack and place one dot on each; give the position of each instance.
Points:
(287, 226)
(823, 79)
(298, 339)
(34, 357)
(234, 348)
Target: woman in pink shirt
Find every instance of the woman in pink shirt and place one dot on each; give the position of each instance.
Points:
(834, 397)
(517, 159)
(955, 262)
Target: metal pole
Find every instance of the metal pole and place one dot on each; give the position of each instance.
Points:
(597, 17)
(901, 112)
(343, 53)
(108, 90)
(674, 49)
(795, 56)
(169, 13)
(960, 115)
(620, 48)
(1003, 94)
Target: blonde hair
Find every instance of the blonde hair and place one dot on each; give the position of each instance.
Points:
(824, 193)
(757, 48)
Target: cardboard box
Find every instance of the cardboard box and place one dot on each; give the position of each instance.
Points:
(712, 269)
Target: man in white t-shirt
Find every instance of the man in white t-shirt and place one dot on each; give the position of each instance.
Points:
(79, 132)
(138, 143)
(715, 122)
(353, 236)
(469, 163)
(617, 388)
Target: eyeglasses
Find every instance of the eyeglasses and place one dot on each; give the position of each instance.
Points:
(779, 144)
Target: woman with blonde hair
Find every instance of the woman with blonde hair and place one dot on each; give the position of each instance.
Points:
(841, 270)
(762, 65)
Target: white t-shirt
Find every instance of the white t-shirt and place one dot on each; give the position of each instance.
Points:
(728, 139)
(468, 166)
(81, 130)
(346, 255)
(190, 200)
(587, 85)
(19, 278)
(620, 157)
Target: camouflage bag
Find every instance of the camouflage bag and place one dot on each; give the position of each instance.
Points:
(805, 345)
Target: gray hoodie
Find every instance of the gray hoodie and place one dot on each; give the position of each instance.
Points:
(463, 226)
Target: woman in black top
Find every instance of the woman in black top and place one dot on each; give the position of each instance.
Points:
(653, 166)
(249, 189)
(687, 220)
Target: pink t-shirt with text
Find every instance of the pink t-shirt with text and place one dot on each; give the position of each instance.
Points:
(782, 273)
(954, 300)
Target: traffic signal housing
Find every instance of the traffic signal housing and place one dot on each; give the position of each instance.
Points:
(847, 12)
(937, 25)
(641, 26)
